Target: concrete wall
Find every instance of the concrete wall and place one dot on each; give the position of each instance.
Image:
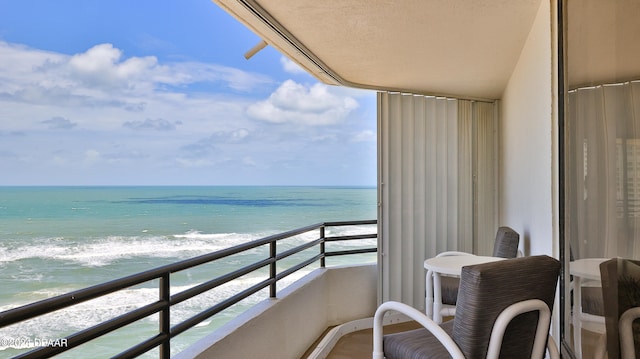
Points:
(285, 327)
(528, 138)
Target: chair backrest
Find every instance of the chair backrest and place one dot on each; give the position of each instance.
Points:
(506, 243)
(620, 292)
(487, 289)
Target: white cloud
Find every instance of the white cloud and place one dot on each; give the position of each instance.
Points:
(149, 124)
(101, 67)
(91, 156)
(301, 104)
(101, 90)
(291, 67)
(239, 135)
(248, 161)
(195, 163)
(59, 160)
(324, 138)
(364, 136)
(21, 67)
(211, 145)
(103, 76)
(59, 123)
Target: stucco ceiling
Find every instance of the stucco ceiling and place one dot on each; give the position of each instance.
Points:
(602, 43)
(464, 48)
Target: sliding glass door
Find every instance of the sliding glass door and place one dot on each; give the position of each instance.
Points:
(601, 172)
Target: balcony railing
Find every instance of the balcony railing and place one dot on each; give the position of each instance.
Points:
(162, 275)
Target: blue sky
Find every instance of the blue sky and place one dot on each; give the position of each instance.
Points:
(158, 93)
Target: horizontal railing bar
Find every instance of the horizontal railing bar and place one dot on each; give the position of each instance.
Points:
(192, 262)
(291, 233)
(62, 301)
(201, 288)
(298, 249)
(198, 318)
(209, 257)
(97, 331)
(351, 251)
(349, 238)
(143, 347)
(298, 266)
(49, 305)
(350, 223)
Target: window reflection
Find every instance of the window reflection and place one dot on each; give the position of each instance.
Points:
(602, 173)
(604, 170)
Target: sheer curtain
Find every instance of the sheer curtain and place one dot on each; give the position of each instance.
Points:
(437, 185)
(603, 171)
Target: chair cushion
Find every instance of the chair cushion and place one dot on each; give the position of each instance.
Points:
(592, 301)
(506, 243)
(620, 291)
(505, 246)
(449, 289)
(416, 344)
(487, 289)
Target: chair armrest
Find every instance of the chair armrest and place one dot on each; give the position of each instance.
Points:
(512, 311)
(554, 353)
(419, 317)
(627, 349)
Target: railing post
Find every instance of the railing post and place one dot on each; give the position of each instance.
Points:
(272, 268)
(165, 323)
(322, 262)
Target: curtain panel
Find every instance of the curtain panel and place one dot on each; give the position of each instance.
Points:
(437, 185)
(603, 171)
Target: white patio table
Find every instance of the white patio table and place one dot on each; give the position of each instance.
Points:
(450, 265)
(585, 269)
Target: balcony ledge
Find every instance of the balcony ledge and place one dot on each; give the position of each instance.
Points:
(285, 327)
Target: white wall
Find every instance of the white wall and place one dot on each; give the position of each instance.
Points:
(287, 326)
(528, 137)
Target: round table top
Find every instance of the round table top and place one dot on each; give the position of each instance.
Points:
(452, 265)
(588, 268)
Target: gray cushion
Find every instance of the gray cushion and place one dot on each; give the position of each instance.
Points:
(505, 246)
(506, 243)
(449, 289)
(486, 290)
(416, 344)
(592, 301)
(620, 291)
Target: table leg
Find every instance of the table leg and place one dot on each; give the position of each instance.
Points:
(437, 298)
(428, 307)
(577, 313)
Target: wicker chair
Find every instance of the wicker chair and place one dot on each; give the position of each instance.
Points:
(621, 297)
(504, 246)
(503, 311)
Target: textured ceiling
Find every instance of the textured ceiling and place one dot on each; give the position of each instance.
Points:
(464, 48)
(602, 42)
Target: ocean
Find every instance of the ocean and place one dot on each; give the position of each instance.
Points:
(57, 239)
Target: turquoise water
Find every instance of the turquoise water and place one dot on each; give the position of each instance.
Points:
(57, 239)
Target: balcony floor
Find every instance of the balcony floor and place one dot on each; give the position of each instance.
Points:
(359, 344)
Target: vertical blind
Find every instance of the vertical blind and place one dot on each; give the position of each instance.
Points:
(437, 185)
